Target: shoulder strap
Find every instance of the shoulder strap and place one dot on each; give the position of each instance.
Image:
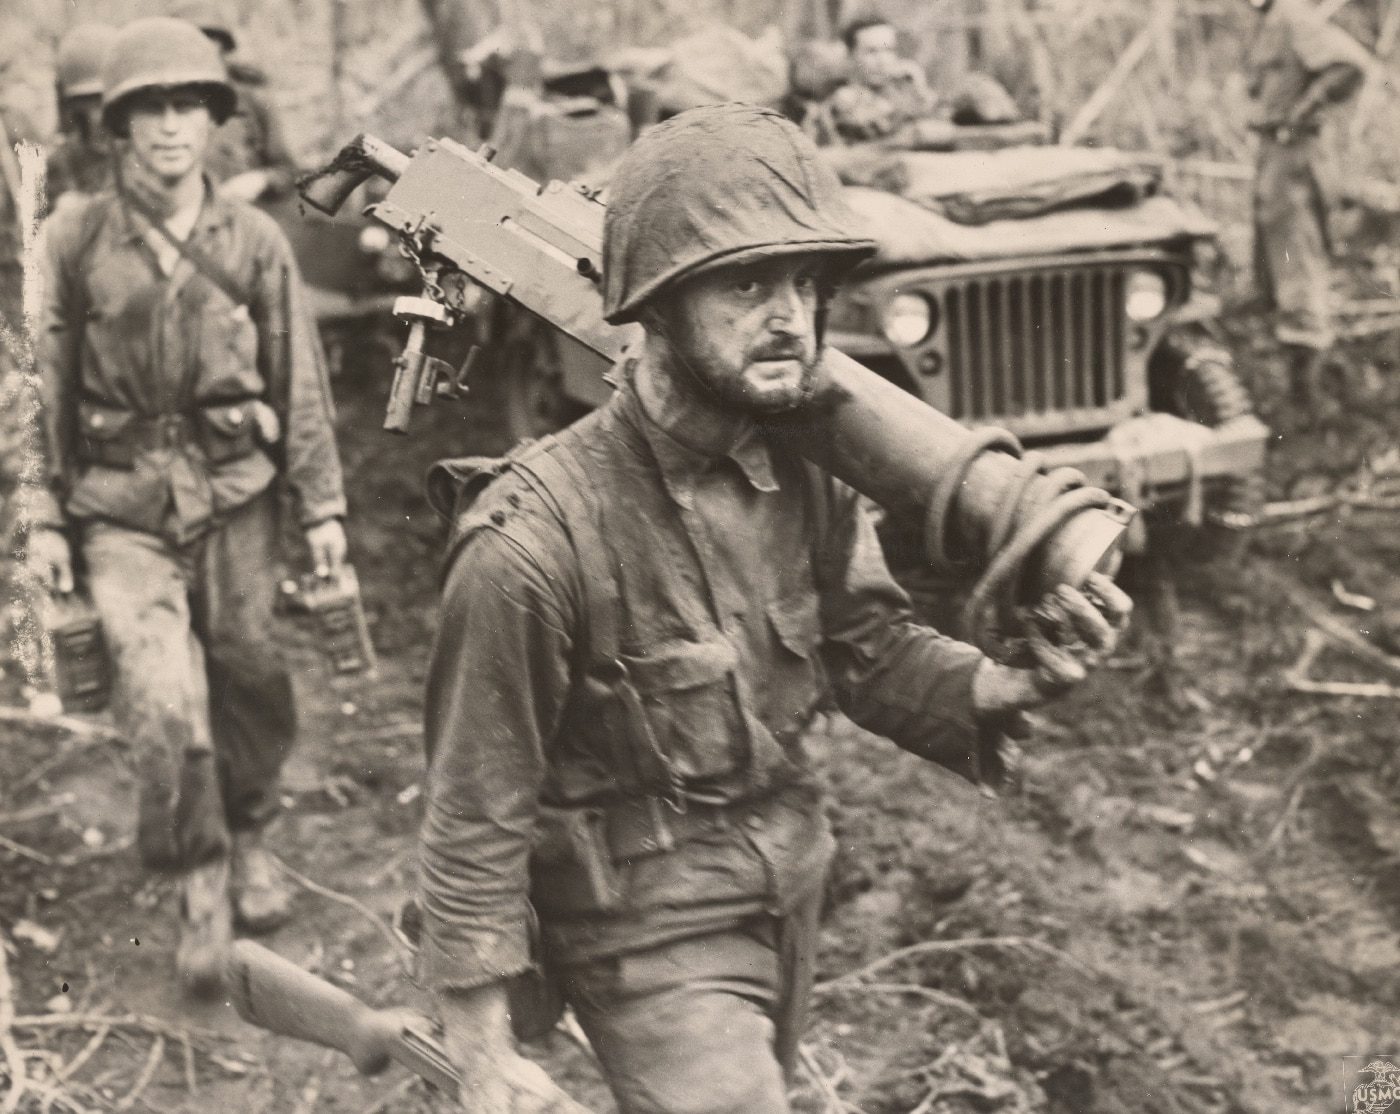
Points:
(202, 263)
(556, 472)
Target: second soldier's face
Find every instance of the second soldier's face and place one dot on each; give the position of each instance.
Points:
(170, 131)
(749, 332)
(875, 55)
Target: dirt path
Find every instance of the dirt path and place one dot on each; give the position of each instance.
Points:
(1172, 912)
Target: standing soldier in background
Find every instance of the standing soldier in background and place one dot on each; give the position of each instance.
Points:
(249, 158)
(178, 382)
(1298, 64)
(81, 161)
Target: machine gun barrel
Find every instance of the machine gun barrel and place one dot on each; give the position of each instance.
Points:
(541, 247)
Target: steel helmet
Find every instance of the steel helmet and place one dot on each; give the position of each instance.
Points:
(81, 54)
(209, 18)
(160, 53)
(715, 185)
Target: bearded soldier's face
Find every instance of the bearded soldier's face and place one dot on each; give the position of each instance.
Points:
(748, 333)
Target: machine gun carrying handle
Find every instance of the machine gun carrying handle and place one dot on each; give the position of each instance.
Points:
(364, 157)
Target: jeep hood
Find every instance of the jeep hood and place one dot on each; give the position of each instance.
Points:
(910, 234)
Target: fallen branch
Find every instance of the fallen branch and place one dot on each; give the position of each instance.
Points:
(26, 852)
(835, 1104)
(50, 764)
(191, 1075)
(72, 724)
(38, 812)
(1329, 624)
(140, 1022)
(9, 1050)
(940, 997)
(148, 1072)
(931, 947)
(401, 953)
(87, 1052)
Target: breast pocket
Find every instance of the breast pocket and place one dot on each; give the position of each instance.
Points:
(228, 352)
(687, 695)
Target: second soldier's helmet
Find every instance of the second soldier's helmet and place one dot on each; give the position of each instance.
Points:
(81, 54)
(161, 53)
(209, 18)
(721, 184)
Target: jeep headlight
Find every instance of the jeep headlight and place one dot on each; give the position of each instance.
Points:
(907, 319)
(1146, 296)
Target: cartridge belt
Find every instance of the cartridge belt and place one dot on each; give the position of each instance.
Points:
(644, 826)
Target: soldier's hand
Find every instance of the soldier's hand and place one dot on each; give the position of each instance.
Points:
(1070, 632)
(495, 1078)
(326, 541)
(507, 1083)
(50, 560)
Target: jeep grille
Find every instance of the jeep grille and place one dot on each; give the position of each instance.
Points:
(1035, 343)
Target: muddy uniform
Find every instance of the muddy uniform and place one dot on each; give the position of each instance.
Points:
(162, 401)
(252, 137)
(635, 638)
(1291, 52)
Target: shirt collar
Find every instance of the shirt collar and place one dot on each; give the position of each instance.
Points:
(214, 212)
(680, 465)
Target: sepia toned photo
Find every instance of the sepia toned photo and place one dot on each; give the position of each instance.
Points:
(742, 557)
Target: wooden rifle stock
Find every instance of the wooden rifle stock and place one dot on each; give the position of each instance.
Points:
(275, 994)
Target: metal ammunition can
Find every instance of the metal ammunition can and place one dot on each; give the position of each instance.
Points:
(334, 602)
(81, 662)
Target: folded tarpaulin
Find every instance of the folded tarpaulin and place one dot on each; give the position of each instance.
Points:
(910, 234)
(975, 187)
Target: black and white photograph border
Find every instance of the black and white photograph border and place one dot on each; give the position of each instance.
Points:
(1073, 329)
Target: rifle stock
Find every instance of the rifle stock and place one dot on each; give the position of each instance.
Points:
(275, 994)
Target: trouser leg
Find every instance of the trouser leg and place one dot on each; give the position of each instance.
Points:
(686, 1028)
(250, 690)
(140, 589)
(1292, 250)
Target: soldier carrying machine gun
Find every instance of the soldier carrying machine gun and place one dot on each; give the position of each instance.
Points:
(643, 615)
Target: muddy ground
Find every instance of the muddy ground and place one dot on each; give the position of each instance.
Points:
(1185, 905)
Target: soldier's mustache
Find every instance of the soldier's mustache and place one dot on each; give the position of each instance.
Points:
(794, 349)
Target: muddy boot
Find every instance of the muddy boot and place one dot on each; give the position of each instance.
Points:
(206, 929)
(262, 901)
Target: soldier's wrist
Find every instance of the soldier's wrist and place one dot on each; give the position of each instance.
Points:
(476, 1021)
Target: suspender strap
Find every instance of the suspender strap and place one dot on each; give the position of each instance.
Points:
(556, 472)
(202, 263)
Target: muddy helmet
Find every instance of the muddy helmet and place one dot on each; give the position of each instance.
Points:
(160, 53)
(81, 54)
(721, 184)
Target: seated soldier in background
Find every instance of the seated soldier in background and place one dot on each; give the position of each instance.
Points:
(80, 161)
(889, 96)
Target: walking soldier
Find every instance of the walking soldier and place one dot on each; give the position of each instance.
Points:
(641, 619)
(179, 380)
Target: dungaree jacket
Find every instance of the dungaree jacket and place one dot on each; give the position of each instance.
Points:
(634, 639)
